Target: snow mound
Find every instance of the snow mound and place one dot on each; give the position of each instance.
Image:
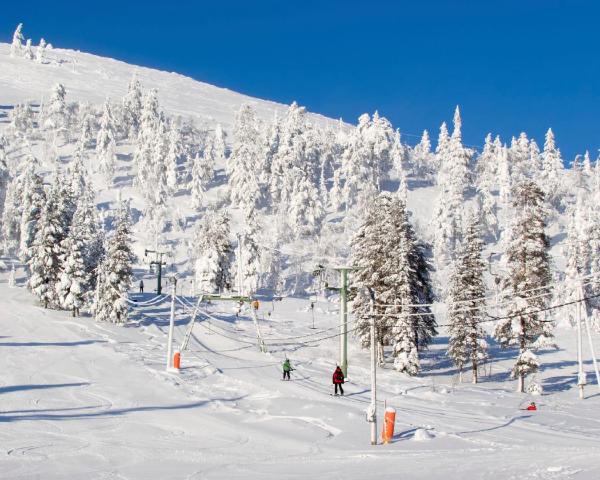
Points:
(422, 435)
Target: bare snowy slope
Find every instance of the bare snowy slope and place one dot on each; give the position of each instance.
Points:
(93, 79)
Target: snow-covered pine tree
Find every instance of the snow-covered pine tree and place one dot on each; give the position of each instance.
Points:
(175, 156)
(16, 47)
(366, 160)
(518, 155)
(422, 159)
(28, 51)
(290, 144)
(528, 264)
(4, 181)
(395, 268)
(145, 147)
(399, 156)
(21, 120)
(13, 207)
(466, 305)
(73, 280)
(371, 252)
(553, 170)
(251, 256)
(441, 152)
(39, 51)
(87, 228)
(105, 144)
(116, 272)
(243, 165)
(33, 200)
(55, 109)
(44, 258)
(212, 253)
(132, 108)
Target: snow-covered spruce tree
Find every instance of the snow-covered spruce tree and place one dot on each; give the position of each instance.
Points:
(271, 140)
(105, 144)
(212, 253)
(13, 208)
(4, 181)
(553, 171)
(466, 306)
(215, 152)
(132, 109)
(518, 155)
(367, 159)
(487, 172)
(45, 252)
(336, 193)
(39, 51)
(144, 153)
(371, 252)
(282, 163)
(21, 120)
(454, 179)
(422, 159)
(441, 151)
(116, 272)
(86, 136)
(395, 268)
(33, 200)
(16, 47)
(28, 51)
(175, 156)
(73, 279)
(55, 109)
(251, 257)
(399, 157)
(87, 228)
(528, 264)
(243, 165)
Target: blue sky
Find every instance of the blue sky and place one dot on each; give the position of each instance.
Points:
(512, 66)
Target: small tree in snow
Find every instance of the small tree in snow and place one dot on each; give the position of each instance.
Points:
(17, 42)
(39, 51)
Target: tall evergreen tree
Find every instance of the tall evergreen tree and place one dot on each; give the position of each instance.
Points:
(212, 251)
(116, 272)
(466, 307)
(243, 165)
(44, 259)
(132, 108)
(528, 265)
(393, 266)
(105, 144)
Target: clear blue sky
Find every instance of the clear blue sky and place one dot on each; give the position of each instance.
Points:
(512, 66)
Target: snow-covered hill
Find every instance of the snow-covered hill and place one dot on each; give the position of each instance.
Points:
(80, 399)
(93, 79)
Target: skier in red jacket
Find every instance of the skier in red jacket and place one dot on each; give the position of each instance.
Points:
(338, 380)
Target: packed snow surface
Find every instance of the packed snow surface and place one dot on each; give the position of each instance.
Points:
(87, 400)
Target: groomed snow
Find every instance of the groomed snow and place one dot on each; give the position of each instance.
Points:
(87, 400)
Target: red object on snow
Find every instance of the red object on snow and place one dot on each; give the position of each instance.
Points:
(338, 376)
(532, 406)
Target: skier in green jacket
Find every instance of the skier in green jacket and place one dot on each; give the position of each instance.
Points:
(287, 368)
